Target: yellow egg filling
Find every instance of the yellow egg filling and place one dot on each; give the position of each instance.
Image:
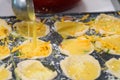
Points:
(70, 28)
(81, 67)
(114, 66)
(79, 46)
(34, 70)
(27, 49)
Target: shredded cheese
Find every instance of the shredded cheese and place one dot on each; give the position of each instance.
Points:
(27, 50)
(85, 17)
(4, 52)
(4, 29)
(107, 24)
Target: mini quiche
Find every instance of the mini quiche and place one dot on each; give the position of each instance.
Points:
(28, 50)
(110, 44)
(69, 28)
(81, 67)
(26, 29)
(114, 66)
(77, 46)
(107, 24)
(5, 74)
(4, 52)
(5, 29)
(34, 70)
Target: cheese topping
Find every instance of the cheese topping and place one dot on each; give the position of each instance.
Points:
(107, 24)
(26, 29)
(111, 43)
(4, 29)
(34, 70)
(27, 49)
(70, 28)
(4, 52)
(78, 46)
(85, 17)
(81, 67)
(114, 67)
(5, 74)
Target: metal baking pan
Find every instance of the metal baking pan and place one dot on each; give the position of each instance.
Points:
(56, 39)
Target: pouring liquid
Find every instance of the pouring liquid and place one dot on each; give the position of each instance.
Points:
(34, 32)
(34, 36)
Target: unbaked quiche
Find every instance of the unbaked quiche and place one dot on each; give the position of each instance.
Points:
(69, 28)
(77, 46)
(5, 29)
(28, 50)
(110, 44)
(83, 67)
(114, 66)
(34, 70)
(26, 28)
(107, 24)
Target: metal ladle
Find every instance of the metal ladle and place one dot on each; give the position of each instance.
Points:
(24, 9)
